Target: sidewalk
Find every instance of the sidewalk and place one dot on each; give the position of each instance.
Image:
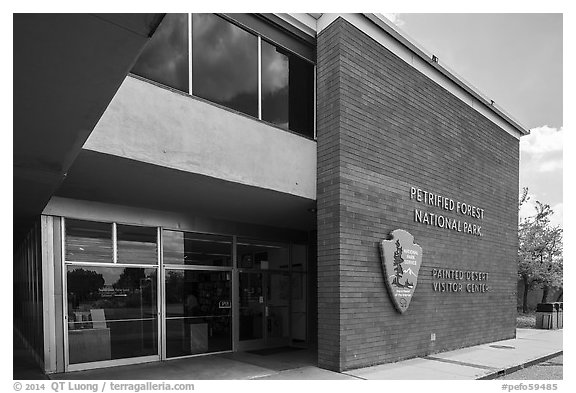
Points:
(484, 361)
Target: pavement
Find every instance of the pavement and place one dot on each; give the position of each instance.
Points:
(486, 361)
(552, 369)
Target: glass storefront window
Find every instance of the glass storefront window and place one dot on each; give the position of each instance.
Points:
(287, 90)
(186, 248)
(224, 63)
(299, 257)
(112, 309)
(198, 312)
(137, 244)
(263, 255)
(165, 57)
(112, 313)
(299, 307)
(88, 241)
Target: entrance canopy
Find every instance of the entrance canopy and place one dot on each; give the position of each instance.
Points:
(111, 179)
(67, 68)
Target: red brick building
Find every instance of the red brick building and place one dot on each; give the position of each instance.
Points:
(228, 182)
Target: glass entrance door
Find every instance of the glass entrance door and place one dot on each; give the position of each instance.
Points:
(264, 315)
(251, 309)
(277, 309)
(197, 293)
(198, 312)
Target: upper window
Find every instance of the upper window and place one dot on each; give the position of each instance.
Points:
(136, 244)
(98, 242)
(165, 57)
(232, 67)
(263, 255)
(224, 63)
(187, 248)
(88, 241)
(287, 90)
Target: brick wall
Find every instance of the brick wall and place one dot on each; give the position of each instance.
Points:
(383, 127)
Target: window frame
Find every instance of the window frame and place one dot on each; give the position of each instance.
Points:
(114, 261)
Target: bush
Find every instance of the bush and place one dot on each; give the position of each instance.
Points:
(527, 320)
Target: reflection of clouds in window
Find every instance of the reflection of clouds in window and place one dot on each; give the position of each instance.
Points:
(165, 57)
(225, 70)
(274, 69)
(225, 63)
(275, 92)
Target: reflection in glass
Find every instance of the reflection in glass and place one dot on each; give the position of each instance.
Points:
(136, 244)
(298, 307)
(274, 85)
(198, 312)
(165, 57)
(88, 241)
(278, 298)
(299, 257)
(251, 296)
(186, 248)
(224, 63)
(287, 90)
(112, 313)
(263, 255)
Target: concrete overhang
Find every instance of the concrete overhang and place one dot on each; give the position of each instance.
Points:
(67, 69)
(115, 180)
(153, 124)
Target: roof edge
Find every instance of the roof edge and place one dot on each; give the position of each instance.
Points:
(405, 40)
(313, 24)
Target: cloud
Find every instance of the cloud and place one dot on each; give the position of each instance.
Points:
(550, 165)
(227, 69)
(395, 18)
(558, 216)
(542, 140)
(541, 151)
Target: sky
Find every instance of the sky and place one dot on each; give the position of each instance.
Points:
(517, 61)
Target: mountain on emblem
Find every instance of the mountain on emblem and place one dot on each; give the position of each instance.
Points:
(401, 260)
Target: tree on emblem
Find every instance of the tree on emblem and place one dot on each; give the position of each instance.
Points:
(398, 265)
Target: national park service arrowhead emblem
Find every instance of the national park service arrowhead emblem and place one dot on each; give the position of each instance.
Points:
(401, 260)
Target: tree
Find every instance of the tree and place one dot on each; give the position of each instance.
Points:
(130, 279)
(540, 261)
(398, 264)
(84, 284)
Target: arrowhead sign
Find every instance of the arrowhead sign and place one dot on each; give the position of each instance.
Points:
(401, 260)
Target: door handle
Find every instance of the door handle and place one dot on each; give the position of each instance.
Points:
(266, 311)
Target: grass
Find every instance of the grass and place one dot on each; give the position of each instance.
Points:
(526, 320)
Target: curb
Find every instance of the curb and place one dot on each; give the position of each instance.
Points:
(513, 369)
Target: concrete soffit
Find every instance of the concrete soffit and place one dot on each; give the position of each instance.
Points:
(383, 31)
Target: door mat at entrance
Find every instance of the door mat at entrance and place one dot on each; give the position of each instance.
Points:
(273, 351)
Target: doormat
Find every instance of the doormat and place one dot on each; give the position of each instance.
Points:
(273, 351)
